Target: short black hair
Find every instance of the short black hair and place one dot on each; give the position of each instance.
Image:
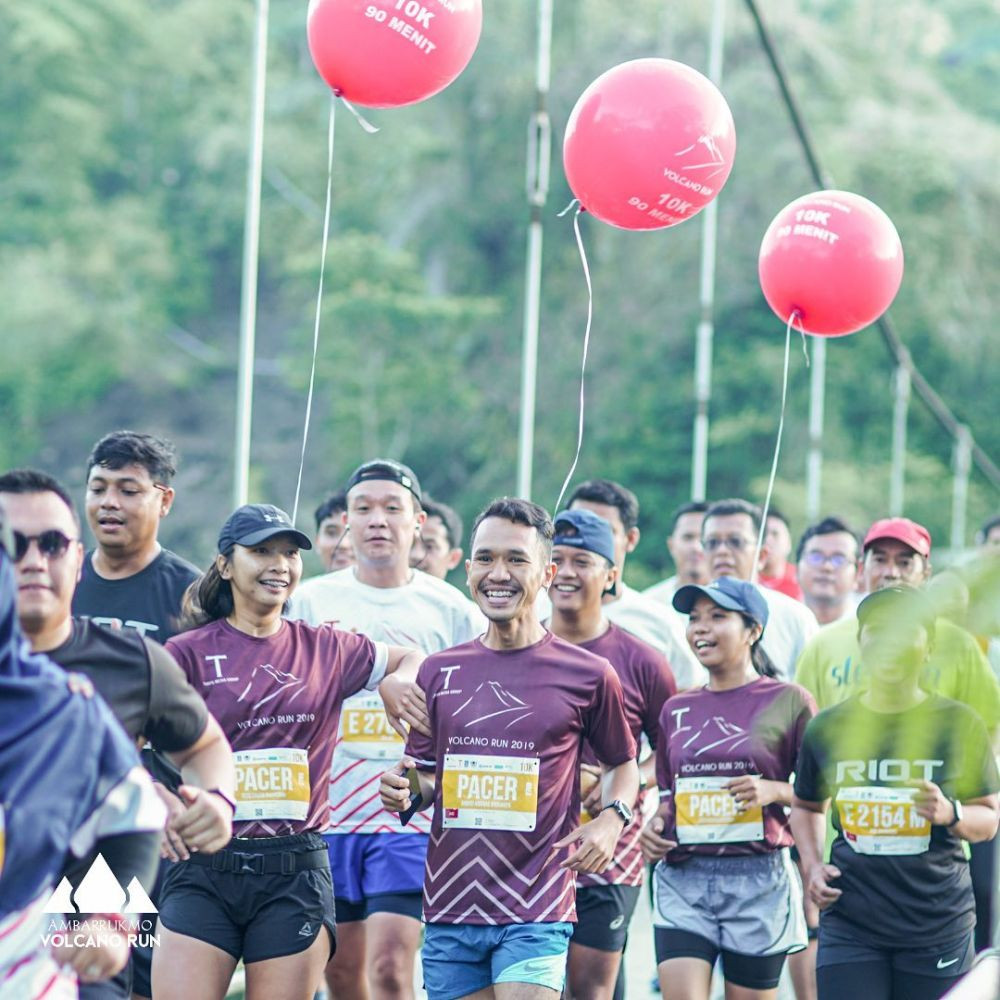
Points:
(120, 448)
(35, 481)
(692, 507)
(335, 503)
(734, 505)
(828, 526)
(449, 518)
(987, 526)
(520, 512)
(612, 494)
(775, 512)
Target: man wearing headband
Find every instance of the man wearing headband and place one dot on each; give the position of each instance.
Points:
(378, 866)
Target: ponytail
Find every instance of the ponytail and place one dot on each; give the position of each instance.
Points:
(207, 599)
(762, 663)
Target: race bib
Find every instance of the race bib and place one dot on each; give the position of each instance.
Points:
(271, 784)
(706, 814)
(489, 793)
(882, 821)
(365, 731)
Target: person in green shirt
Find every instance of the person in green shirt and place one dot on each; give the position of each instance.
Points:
(896, 551)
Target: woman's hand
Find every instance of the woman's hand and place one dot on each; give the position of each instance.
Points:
(654, 845)
(752, 790)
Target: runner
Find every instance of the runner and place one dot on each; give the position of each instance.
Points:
(129, 580)
(378, 867)
(277, 688)
(584, 556)
(827, 558)
(729, 536)
(70, 785)
(438, 548)
(332, 545)
(509, 713)
(726, 885)
(628, 608)
(911, 775)
(776, 571)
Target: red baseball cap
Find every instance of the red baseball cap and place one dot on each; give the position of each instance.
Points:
(902, 529)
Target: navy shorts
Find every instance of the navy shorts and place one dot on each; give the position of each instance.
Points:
(377, 873)
(603, 913)
(236, 901)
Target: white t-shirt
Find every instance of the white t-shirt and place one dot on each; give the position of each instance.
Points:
(790, 625)
(663, 593)
(426, 614)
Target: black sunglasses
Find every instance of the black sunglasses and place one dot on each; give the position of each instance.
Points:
(52, 544)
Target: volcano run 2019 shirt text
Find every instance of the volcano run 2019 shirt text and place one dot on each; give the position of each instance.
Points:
(278, 699)
(647, 682)
(707, 738)
(425, 614)
(508, 728)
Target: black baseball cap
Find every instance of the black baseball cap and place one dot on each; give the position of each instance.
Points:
(386, 469)
(728, 593)
(256, 522)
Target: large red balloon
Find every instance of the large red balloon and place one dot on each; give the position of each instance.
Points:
(649, 144)
(835, 259)
(387, 53)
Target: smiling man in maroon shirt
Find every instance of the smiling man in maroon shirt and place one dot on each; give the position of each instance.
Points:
(509, 714)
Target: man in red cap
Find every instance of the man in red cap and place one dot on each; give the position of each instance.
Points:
(897, 551)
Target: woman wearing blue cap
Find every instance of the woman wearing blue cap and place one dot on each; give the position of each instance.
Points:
(276, 686)
(725, 885)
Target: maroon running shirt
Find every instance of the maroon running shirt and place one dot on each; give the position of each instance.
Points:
(647, 682)
(708, 737)
(508, 730)
(278, 701)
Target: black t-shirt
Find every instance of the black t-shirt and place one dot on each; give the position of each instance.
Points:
(141, 682)
(147, 602)
(902, 900)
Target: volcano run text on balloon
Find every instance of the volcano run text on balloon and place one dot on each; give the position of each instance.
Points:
(412, 9)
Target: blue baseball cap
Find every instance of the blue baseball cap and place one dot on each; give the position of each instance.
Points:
(256, 522)
(583, 529)
(728, 593)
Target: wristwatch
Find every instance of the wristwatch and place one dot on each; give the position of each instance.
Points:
(957, 806)
(622, 810)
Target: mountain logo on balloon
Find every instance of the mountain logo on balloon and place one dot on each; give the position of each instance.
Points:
(711, 147)
(99, 892)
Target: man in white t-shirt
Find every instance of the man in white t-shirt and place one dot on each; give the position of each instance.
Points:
(378, 866)
(684, 546)
(628, 608)
(729, 536)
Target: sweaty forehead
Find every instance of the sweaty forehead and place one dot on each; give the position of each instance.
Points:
(135, 473)
(497, 534)
(378, 491)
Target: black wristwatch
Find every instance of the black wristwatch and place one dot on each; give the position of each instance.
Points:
(622, 810)
(957, 807)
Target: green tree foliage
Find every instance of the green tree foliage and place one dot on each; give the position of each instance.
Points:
(122, 178)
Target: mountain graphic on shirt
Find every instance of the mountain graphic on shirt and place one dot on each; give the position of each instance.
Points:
(267, 682)
(491, 700)
(716, 732)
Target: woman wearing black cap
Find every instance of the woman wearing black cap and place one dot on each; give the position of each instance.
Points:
(725, 885)
(911, 775)
(276, 687)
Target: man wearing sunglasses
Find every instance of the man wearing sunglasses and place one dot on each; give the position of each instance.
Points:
(129, 580)
(827, 559)
(142, 684)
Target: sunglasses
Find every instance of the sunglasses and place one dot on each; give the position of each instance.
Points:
(52, 544)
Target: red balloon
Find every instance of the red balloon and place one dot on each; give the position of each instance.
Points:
(649, 144)
(835, 259)
(387, 53)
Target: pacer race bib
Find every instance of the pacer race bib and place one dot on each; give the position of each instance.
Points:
(706, 813)
(883, 821)
(271, 784)
(489, 793)
(365, 731)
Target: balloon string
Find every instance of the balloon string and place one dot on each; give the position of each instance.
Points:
(805, 348)
(573, 204)
(777, 447)
(362, 121)
(586, 349)
(319, 304)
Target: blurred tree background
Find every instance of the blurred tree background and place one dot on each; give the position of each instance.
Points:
(122, 176)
